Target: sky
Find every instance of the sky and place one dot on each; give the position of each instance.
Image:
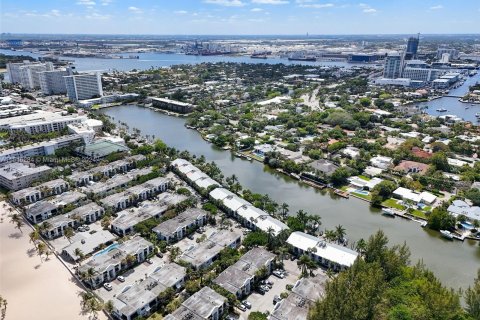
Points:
(240, 17)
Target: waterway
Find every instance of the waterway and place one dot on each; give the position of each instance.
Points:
(157, 60)
(455, 263)
(466, 111)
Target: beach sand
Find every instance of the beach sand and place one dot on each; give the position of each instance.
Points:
(34, 289)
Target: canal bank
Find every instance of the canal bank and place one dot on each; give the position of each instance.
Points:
(455, 263)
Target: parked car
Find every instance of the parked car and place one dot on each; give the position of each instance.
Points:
(276, 300)
(81, 229)
(121, 279)
(278, 274)
(265, 288)
(149, 261)
(108, 286)
(247, 304)
(261, 291)
(269, 283)
(190, 237)
(86, 227)
(159, 254)
(242, 307)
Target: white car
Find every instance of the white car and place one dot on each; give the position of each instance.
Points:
(121, 279)
(107, 286)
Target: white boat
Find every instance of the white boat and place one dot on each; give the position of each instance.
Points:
(442, 110)
(388, 212)
(446, 234)
(477, 114)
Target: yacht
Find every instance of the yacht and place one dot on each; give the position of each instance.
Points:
(442, 110)
(446, 234)
(388, 212)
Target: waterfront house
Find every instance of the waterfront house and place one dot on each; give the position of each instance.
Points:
(460, 207)
(327, 254)
(44, 209)
(86, 243)
(415, 197)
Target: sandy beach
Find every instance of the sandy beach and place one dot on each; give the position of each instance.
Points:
(34, 289)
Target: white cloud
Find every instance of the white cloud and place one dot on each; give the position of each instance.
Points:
(273, 2)
(180, 12)
(86, 2)
(317, 5)
(97, 16)
(437, 7)
(105, 2)
(367, 8)
(226, 3)
(55, 13)
(256, 10)
(135, 10)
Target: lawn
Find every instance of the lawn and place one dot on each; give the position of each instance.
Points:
(364, 178)
(419, 214)
(392, 203)
(363, 196)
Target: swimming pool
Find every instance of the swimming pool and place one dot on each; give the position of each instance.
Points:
(107, 249)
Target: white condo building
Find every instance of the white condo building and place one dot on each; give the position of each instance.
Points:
(27, 73)
(84, 86)
(53, 82)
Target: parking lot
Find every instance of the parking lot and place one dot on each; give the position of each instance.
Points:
(264, 303)
(132, 276)
(61, 242)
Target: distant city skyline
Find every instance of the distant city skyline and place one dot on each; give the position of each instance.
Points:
(239, 17)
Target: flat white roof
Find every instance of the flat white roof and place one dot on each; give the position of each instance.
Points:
(332, 252)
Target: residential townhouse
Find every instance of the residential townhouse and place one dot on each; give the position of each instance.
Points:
(109, 263)
(84, 244)
(88, 213)
(327, 254)
(129, 197)
(176, 228)
(57, 225)
(303, 295)
(44, 209)
(205, 304)
(203, 254)
(198, 179)
(239, 279)
(141, 299)
(245, 212)
(34, 194)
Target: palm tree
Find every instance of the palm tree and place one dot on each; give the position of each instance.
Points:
(303, 264)
(270, 237)
(79, 253)
(108, 306)
(314, 223)
(89, 303)
(302, 216)
(88, 275)
(361, 246)
(17, 220)
(68, 233)
(284, 210)
(34, 236)
(330, 235)
(106, 221)
(41, 249)
(3, 308)
(340, 232)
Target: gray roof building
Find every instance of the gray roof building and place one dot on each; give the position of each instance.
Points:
(204, 304)
(142, 298)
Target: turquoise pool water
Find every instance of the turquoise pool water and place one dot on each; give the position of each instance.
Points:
(107, 249)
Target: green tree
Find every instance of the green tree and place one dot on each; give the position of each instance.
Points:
(472, 298)
(339, 176)
(440, 219)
